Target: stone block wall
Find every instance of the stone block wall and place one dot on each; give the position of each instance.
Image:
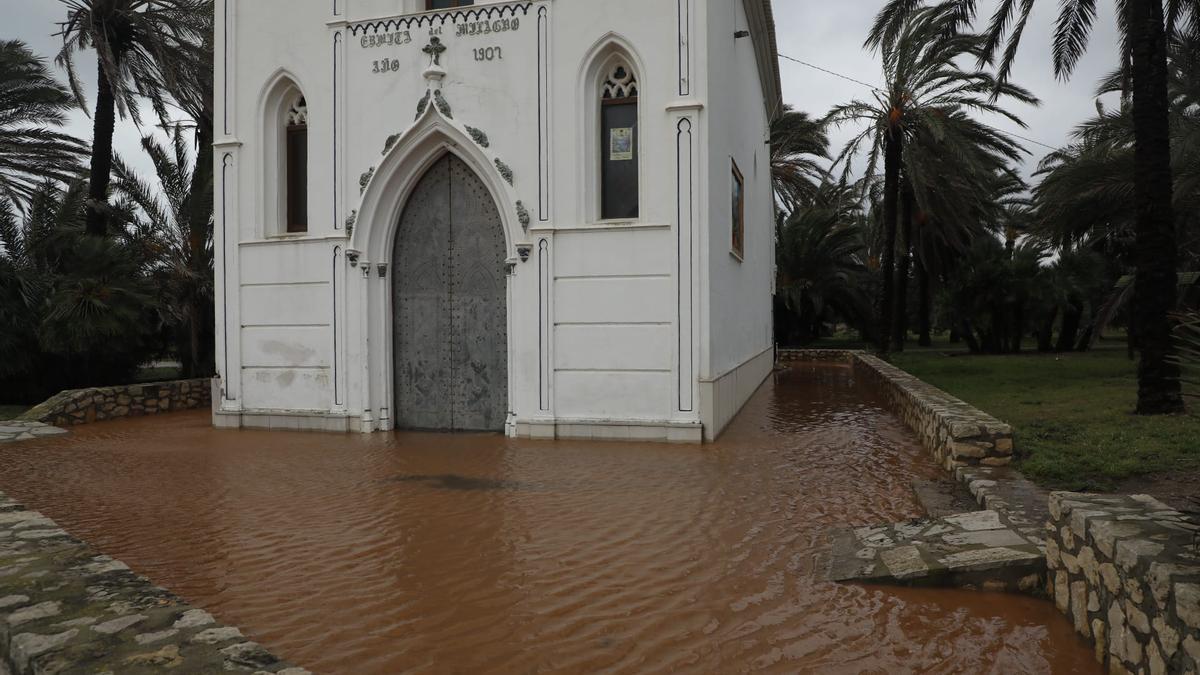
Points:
(816, 355)
(1126, 571)
(65, 608)
(82, 406)
(957, 433)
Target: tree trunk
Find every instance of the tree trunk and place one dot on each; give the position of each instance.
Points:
(1045, 336)
(893, 155)
(1159, 389)
(926, 308)
(900, 319)
(968, 334)
(104, 124)
(1018, 327)
(1070, 327)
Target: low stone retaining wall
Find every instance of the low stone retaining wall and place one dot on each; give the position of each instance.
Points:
(82, 406)
(957, 433)
(66, 609)
(1126, 571)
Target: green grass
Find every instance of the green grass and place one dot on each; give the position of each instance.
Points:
(1072, 413)
(8, 412)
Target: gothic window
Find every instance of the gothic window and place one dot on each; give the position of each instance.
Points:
(447, 4)
(739, 213)
(619, 145)
(296, 166)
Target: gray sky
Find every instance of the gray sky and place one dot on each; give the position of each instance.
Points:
(826, 34)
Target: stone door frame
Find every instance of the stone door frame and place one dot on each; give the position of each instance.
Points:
(369, 344)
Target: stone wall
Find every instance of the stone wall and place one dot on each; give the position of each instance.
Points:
(957, 433)
(82, 406)
(66, 609)
(1126, 571)
(817, 355)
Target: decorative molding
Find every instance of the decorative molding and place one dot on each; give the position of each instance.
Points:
(544, 325)
(543, 78)
(524, 251)
(297, 115)
(478, 136)
(430, 19)
(365, 180)
(621, 82)
(337, 393)
(350, 220)
(442, 104)
(684, 11)
(505, 171)
(684, 253)
(523, 215)
(423, 104)
(390, 142)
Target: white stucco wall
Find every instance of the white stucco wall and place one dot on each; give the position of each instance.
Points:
(612, 324)
(739, 295)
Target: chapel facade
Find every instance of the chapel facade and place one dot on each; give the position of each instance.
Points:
(551, 218)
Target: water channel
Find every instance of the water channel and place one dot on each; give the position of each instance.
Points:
(429, 553)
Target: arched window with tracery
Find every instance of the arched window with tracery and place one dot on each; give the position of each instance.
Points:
(296, 167)
(619, 199)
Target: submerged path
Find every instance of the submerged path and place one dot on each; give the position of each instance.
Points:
(434, 553)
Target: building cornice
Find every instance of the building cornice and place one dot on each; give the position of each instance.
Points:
(762, 30)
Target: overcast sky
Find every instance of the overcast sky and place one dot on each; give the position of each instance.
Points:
(826, 34)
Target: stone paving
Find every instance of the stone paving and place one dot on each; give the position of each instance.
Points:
(66, 609)
(970, 550)
(20, 430)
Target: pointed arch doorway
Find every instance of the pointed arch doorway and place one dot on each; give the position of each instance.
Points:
(449, 294)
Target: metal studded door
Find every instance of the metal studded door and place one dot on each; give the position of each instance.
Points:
(451, 328)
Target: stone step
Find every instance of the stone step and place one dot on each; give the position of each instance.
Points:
(967, 550)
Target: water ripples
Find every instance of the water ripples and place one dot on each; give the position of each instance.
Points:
(429, 553)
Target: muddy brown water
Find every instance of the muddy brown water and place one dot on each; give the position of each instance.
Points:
(431, 553)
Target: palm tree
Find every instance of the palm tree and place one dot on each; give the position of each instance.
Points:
(142, 51)
(78, 310)
(821, 265)
(798, 142)
(32, 105)
(1145, 27)
(926, 90)
(162, 227)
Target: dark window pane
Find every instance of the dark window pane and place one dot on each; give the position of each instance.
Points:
(739, 212)
(619, 159)
(445, 4)
(297, 179)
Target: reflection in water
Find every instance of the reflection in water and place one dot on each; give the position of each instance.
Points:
(468, 553)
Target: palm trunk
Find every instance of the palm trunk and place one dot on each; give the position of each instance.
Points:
(104, 124)
(900, 319)
(1159, 390)
(893, 155)
(1045, 337)
(926, 307)
(1070, 326)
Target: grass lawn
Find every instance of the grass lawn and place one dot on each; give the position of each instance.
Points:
(1072, 413)
(8, 412)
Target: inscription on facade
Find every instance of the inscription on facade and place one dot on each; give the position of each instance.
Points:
(393, 39)
(474, 28)
(488, 54)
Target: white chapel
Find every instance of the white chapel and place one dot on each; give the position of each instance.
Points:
(551, 218)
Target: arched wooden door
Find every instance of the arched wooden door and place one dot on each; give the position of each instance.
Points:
(450, 305)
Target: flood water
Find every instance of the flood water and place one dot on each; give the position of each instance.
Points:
(433, 553)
